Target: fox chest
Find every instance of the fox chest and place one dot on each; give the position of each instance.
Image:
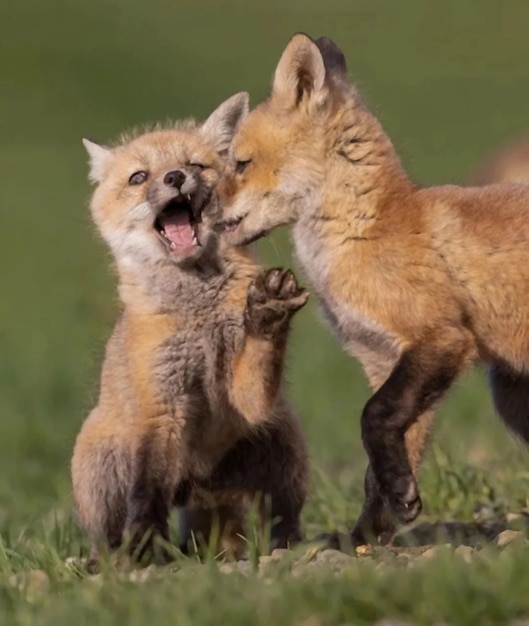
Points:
(193, 376)
(193, 365)
(344, 309)
(180, 365)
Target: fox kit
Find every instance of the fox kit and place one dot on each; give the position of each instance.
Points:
(190, 412)
(508, 165)
(417, 282)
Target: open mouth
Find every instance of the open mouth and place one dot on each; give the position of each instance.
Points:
(176, 225)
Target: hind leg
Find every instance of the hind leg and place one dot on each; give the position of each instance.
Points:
(271, 466)
(100, 469)
(154, 478)
(223, 524)
(281, 485)
(510, 394)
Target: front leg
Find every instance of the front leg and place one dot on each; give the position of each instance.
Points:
(419, 379)
(273, 298)
(376, 522)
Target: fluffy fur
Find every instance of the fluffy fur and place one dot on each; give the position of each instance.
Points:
(418, 283)
(190, 412)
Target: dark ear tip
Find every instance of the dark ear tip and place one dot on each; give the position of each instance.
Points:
(333, 57)
(324, 41)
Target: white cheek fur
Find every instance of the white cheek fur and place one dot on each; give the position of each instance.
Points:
(141, 211)
(140, 245)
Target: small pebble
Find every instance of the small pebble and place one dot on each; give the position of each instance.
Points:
(333, 557)
(433, 551)
(508, 536)
(466, 553)
(364, 550)
(265, 559)
(278, 553)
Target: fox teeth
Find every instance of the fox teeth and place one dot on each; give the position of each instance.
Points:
(188, 196)
(172, 245)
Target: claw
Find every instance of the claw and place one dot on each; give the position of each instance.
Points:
(273, 280)
(289, 286)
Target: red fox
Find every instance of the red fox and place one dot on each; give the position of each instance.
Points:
(190, 412)
(417, 282)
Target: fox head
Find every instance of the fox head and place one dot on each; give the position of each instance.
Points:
(154, 197)
(293, 147)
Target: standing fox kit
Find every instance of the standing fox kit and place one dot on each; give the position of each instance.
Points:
(190, 412)
(417, 282)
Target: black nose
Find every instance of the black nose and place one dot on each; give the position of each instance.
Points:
(174, 179)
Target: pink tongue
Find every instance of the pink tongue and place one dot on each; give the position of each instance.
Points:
(178, 229)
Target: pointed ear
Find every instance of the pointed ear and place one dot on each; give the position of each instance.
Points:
(221, 125)
(300, 71)
(333, 57)
(100, 159)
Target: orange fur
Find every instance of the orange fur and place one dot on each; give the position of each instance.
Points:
(190, 411)
(417, 282)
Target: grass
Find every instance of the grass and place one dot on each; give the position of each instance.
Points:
(448, 80)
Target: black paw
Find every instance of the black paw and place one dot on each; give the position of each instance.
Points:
(273, 297)
(401, 496)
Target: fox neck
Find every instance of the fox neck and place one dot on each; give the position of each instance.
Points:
(361, 181)
(171, 289)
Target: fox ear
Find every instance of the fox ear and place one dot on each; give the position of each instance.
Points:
(333, 57)
(221, 125)
(100, 159)
(300, 71)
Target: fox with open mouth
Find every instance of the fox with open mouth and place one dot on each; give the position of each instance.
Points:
(190, 412)
(165, 224)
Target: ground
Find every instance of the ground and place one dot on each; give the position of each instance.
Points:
(449, 81)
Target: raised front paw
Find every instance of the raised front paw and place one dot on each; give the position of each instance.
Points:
(273, 297)
(401, 495)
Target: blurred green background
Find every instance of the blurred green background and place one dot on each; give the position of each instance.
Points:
(449, 80)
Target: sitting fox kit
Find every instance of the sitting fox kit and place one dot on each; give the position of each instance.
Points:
(417, 282)
(190, 412)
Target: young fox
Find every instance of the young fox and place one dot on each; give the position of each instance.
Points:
(417, 282)
(190, 412)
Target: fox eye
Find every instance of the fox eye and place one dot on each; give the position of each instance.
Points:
(200, 166)
(138, 178)
(240, 166)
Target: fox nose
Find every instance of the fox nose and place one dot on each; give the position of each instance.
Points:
(174, 179)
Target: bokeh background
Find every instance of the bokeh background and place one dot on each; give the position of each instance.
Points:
(449, 80)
